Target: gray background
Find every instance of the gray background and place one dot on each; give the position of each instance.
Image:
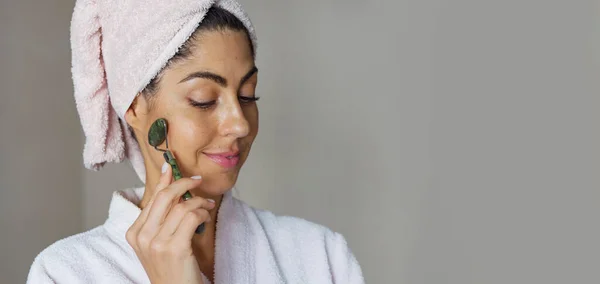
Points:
(449, 141)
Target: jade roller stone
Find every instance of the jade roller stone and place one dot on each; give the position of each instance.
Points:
(156, 136)
(176, 172)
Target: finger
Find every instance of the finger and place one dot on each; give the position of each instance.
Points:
(165, 178)
(131, 237)
(164, 181)
(133, 232)
(165, 200)
(177, 214)
(187, 228)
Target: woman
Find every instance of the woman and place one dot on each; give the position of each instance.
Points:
(192, 64)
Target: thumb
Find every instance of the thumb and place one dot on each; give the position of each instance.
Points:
(165, 178)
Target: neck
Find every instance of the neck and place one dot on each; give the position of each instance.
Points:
(203, 246)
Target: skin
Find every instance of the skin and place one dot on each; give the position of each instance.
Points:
(229, 124)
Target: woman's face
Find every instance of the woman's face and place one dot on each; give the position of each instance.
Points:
(207, 100)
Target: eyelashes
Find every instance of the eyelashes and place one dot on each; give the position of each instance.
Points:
(201, 105)
(207, 105)
(248, 100)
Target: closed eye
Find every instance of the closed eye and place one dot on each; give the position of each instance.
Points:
(248, 100)
(207, 105)
(202, 105)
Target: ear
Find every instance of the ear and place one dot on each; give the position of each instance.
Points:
(137, 114)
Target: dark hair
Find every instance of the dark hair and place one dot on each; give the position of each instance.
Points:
(216, 19)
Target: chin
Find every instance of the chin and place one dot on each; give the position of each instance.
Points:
(217, 185)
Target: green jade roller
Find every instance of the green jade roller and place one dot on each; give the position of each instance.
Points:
(156, 136)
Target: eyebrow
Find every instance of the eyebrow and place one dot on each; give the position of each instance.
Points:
(218, 78)
(248, 75)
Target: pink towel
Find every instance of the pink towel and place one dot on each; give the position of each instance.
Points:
(118, 46)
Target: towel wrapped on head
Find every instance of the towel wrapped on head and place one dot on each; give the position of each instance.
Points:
(118, 47)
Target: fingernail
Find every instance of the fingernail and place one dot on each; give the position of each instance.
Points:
(165, 166)
(210, 200)
(196, 177)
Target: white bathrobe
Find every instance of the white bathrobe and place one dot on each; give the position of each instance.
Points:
(252, 246)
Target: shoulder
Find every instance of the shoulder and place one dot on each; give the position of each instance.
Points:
(311, 242)
(74, 259)
(300, 230)
(290, 226)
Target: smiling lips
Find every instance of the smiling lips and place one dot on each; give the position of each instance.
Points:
(227, 160)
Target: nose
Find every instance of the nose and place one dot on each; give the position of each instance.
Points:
(233, 120)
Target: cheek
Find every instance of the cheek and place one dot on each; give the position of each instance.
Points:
(251, 115)
(192, 134)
